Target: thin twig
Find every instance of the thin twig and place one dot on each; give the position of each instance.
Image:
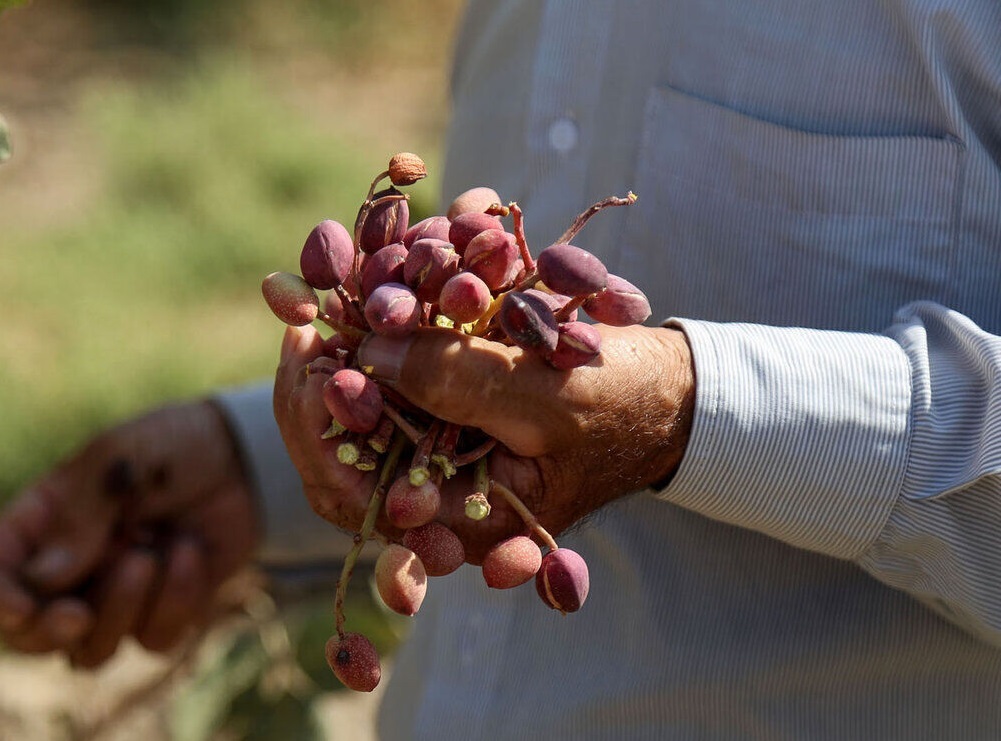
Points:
(368, 525)
(526, 514)
(578, 223)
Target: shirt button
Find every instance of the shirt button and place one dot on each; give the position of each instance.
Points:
(563, 135)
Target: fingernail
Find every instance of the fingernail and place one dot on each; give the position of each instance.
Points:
(382, 357)
(49, 565)
(290, 341)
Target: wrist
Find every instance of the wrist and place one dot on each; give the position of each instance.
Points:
(648, 395)
(676, 402)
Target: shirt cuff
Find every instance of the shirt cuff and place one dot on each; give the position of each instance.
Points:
(800, 434)
(293, 533)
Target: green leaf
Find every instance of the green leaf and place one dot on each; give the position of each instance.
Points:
(4, 4)
(5, 148)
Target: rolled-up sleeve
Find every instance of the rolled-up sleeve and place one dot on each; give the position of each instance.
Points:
(881, 449)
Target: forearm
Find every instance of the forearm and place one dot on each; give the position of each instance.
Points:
(872, 448)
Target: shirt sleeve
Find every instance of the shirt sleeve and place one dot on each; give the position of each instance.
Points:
(293, 533)
(881, 449)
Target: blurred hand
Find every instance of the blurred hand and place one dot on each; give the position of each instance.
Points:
(572, 441)
(129, 536)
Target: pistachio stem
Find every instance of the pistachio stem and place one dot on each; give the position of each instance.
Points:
(388, 198)
(526, 514)
(444, 449)
(578, 223)
(519, 236)
(529, 281)
(483, 323)
(569, 307)
(481, 478)
(420, 466)
(368, 460)
(382, 436)
(367, 526)
(350, 308)
(477, 504)
(353, 334)
(348, 451)
(412, 433)
(375, 184)
(472, 456)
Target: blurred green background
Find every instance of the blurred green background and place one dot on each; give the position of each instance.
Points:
(166, 156)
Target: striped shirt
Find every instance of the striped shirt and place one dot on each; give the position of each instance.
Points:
(820, 211)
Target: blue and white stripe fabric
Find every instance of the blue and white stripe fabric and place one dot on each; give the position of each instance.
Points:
(879, 449)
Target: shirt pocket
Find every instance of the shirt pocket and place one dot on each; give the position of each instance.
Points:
(755, 221)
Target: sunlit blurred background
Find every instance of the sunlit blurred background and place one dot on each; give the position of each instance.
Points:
(167, 155)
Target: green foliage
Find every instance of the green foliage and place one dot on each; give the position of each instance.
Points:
(221, 182)
(209, 183)
(5, 147)
(5, 4)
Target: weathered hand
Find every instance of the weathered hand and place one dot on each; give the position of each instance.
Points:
(572, 441)
(130, 536)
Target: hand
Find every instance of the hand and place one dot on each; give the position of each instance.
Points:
(572, 440)
(130, 536)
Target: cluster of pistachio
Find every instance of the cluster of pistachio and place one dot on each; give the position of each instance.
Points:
(467, 272)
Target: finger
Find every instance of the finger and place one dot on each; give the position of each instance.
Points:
(59, 627)
(305, 416)
(16, 605)
(471, 381)
(307, 411)
(119, 603)
(21, 527)
(182, 600)
(64, 529)
(300, 345)
(336, 491)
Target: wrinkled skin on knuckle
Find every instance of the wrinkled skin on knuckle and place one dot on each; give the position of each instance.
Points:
(605, 428)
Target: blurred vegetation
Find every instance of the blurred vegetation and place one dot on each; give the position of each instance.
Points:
(153, 295)
(206, 180)
(168, 155)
